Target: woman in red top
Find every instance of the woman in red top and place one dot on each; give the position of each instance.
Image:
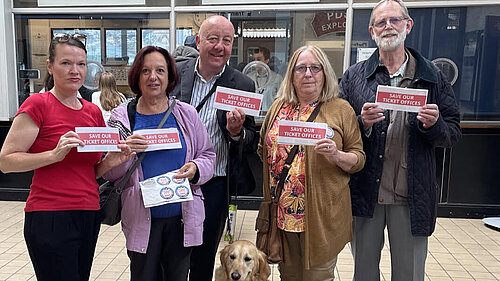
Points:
(62, 220)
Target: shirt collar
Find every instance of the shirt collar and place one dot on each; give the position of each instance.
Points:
(401, 70)
(217, 76)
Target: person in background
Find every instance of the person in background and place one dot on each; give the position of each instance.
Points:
(62, 218)
(228, 131)
(108, 96)
(397, 188)
(261, 77)
(160, 239)
(314, 209)
(188, 51)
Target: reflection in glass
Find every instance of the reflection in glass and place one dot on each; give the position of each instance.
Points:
(93, 41)
(121, 46)
(156, 37)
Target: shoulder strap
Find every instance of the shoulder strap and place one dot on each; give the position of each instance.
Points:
(139, 160)
(204, 100)
(291, 155)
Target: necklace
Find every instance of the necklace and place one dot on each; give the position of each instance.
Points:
(72, 102)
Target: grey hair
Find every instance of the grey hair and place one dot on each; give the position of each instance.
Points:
(402, 4)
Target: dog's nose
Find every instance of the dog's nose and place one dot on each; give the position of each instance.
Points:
(235, 276)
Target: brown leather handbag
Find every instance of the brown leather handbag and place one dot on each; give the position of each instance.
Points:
(266, 225)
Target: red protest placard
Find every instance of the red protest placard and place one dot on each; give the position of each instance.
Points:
(296, 132)
(402, 99)
(228, 99)
(98, 139)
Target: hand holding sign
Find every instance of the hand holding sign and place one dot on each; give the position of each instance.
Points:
(428, 115)
(188, 171)
(235, 119)
(137, 143)
(371, 114)
(65, 144)
(326, 147)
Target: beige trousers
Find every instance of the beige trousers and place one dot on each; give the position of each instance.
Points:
(293, 269)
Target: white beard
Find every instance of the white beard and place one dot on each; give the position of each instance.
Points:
(392, 43)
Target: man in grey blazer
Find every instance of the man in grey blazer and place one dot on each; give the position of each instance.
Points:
(228, 131)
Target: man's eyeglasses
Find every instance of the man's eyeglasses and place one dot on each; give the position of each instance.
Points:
(394, 21)
(64, 37)
(314, 68)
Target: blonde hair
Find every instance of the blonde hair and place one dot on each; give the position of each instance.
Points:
(110, 97)
(330, 90)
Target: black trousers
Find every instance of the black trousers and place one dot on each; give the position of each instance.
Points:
(166, 257)
(61, 244)
(216, 208)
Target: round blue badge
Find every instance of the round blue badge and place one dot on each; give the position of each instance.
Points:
(182, 191)
(149, 183)
(166, 193)
(179, 181)
(329, 133)
(163, 180)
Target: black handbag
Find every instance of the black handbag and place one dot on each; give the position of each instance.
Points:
(110, 195)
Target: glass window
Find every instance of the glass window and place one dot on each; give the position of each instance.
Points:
(276, 35)
(253, 2)
(112, 40)
(121, 46)
(155, 37)
(92, 42)
(181, 34)
(34, 3)
(463, 42)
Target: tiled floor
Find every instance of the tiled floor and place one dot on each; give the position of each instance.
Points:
(460, 249)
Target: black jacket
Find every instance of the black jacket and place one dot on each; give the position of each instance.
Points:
(358, 86)
(239, 170)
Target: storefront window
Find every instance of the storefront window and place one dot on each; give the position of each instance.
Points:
(253, 2)
(155, 37)
(121, 46)
(463, 42)
(112, 40)
(279, 34)
(34, 3)
(92, 42)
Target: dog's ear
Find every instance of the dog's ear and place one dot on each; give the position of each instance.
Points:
(224, 254)
(264, 268)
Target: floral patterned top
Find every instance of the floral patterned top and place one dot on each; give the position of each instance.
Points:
(291, 209)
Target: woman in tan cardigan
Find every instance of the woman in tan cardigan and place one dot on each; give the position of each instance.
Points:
(314, 212)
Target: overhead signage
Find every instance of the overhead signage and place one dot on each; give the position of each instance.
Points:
(302, 133)
(402, 99)
(159, 139)
(328, 22)
(228, 99)
(86, 3)
(98, 139)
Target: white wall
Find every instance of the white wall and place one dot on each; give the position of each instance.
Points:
(8, 76)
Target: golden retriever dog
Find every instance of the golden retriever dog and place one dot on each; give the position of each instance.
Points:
(242, 261)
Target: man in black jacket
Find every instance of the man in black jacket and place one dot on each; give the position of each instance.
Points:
(198, 78)
(397, 188)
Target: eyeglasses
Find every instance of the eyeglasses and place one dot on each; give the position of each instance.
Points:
(394, 21)
(64, 37)
(314, 68)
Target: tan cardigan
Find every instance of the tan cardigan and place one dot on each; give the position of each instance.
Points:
(327, 196)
